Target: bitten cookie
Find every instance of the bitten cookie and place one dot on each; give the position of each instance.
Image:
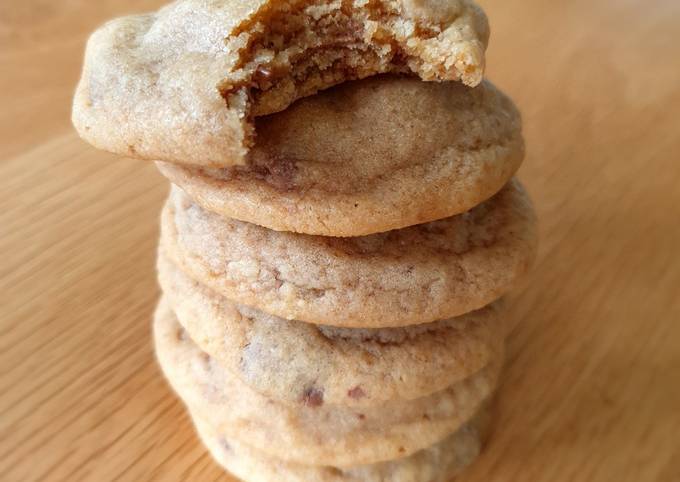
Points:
(437, 463)
(185, 83)
(354, 367)
(366, 157)
(309, 429)
(415, 275)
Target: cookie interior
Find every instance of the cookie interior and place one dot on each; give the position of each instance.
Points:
(293, 49)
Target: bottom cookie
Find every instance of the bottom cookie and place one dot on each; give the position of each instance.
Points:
(326, 434)
(438, 463)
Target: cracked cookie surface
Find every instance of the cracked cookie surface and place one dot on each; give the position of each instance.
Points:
(414, 275)
(184, 84)
(353, 367)
(310, 429)
(368, 156)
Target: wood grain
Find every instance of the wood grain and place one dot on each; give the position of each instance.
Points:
(592, 391)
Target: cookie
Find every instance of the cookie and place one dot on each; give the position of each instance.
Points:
(437, 463)
(185, 83)
(354, 367)
(415, 275)
(368, 156)
(309, 429)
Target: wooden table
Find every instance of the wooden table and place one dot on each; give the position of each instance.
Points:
(592, 391)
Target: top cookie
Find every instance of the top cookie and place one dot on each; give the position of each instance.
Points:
(185, 83)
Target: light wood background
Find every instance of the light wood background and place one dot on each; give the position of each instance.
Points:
(592, 391)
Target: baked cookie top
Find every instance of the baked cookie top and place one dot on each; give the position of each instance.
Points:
(310, 429)
(368, 156)
(414, 275)
(285, 359)
(185, 83)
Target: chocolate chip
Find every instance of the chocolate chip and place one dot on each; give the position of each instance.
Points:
(262, 73)
(279, 172)
(278, 283)
(312, 397)
(207, 365)
(356, 393)
(224, 444)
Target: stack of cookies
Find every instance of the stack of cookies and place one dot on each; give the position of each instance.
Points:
(341, 225)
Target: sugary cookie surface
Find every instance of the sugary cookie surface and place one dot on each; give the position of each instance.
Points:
(409, 276)
(185, 83)
(368, 156)
(354, 367)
